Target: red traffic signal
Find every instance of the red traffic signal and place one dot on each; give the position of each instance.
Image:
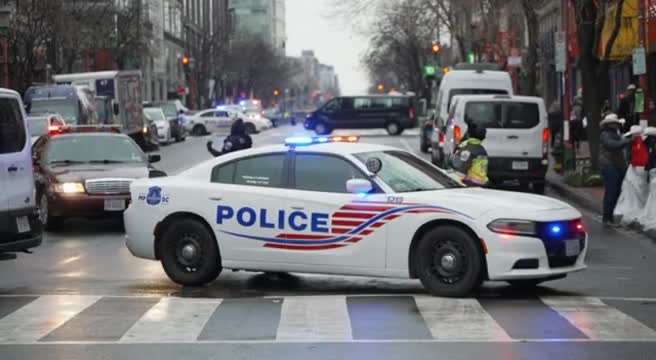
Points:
(276, 92)
(436, 48)
(185, 60)
(381, 87)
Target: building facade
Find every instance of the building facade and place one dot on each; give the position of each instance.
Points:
(264, 19)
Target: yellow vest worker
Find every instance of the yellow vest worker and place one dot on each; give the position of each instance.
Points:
(470, 157)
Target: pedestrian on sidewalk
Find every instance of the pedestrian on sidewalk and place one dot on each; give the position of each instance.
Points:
(612, 162)
(626, 109)
(576, 120)
(606, 109)
(555, 120)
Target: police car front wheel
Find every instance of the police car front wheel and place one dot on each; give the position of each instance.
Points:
(449, 262)
(189, 253)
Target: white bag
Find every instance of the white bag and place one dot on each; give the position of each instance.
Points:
(632, 200)
(648, 218)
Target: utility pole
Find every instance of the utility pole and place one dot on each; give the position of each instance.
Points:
(569, 153)
(643, 80)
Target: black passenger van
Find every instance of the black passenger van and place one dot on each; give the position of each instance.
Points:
(394, 113)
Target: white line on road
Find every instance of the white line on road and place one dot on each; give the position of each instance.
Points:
(597, 320)
(318, 318)
(171, 320)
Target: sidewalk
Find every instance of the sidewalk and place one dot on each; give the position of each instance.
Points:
(589, 198)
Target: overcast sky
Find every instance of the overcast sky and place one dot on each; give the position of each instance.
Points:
(309, 28)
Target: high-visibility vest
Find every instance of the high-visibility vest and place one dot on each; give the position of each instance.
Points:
(477, 172)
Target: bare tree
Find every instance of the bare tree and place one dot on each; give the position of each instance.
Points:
(590, 19)
(131, 35)
(30, 30)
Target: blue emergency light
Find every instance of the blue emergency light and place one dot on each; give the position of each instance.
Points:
(307, 140)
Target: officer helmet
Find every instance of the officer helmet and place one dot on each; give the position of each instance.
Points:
(477, 131)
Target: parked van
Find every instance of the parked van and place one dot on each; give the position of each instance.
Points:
(394, 113)
(517, 140)
(20, 228)
(454, 83)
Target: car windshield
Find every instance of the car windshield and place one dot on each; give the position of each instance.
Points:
(169, 109)
(93, 149)
(155, 114)
(66, 108)
(37, 125)
(404, 172)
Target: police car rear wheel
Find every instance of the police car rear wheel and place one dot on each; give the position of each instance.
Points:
(448, 262)
(189, 253)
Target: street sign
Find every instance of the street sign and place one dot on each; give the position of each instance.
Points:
(560, 53)
(514, 60)
(639, 63)
(429, 71)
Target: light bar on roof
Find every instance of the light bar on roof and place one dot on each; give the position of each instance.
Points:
(307, 140)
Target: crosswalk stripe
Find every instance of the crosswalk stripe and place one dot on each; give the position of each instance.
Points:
(321, 318)
(171, 320)
(244, 319)
(459, 319)
(381, 318)
(38, 318)
(599, 321)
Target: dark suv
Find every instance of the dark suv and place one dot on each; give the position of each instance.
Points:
(390, 112)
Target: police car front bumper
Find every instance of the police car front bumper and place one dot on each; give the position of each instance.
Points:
(140, 233)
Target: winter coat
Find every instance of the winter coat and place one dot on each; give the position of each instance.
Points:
(612, 147)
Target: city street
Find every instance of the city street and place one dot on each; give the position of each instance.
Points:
(82, 295)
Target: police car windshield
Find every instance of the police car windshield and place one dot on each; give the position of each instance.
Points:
(94, 149)
(404, 172)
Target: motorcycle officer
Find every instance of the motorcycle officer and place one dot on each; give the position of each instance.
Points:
(237, 140)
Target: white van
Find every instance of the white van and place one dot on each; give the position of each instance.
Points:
(517, 140)
(20, 228)
(454, 83)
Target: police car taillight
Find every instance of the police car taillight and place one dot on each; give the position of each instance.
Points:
(304, 141)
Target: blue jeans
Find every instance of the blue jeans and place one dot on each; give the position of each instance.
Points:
(613, 178)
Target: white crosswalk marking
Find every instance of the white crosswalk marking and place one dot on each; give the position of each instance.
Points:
(321, 318)
(326, 319)
(599, 321)
(459, 319)
(38, 318)
(172, 319)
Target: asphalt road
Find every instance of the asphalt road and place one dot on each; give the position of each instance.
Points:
(81, 295)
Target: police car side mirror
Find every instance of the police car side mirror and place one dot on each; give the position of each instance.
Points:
(358, 186)
(153, 158)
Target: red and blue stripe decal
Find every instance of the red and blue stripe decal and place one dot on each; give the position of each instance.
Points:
(349, 225)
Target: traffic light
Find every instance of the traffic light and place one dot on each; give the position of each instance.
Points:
(381, 87)
(429, 71)
(445, 69)
(186, 62)
(276, 92)
(436, 48)
(471, 58)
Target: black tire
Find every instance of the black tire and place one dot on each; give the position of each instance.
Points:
(48, 222)
(436, 156)
(198, 268)
(393, 128)
(423, 144)
(250, 128)
(198, 130)
(432, 256)
(538, 187)
(321, 129)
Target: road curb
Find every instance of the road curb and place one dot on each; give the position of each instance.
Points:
(575, 197)
(588, 204)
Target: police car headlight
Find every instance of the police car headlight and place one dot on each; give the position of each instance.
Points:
(70, 188)
(513, 227)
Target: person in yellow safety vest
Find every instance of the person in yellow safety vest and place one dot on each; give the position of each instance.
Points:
(470, 157)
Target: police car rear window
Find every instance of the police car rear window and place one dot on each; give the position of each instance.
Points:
(264, 171)
(503, 115)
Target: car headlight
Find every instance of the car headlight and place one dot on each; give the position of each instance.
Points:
(70, 188)
(513, 227)
(145, 130)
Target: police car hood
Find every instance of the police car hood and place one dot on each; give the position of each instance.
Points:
(483, 200)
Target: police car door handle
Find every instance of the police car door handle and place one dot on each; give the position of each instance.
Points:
(298, 208)
(12, 168)
(216, 198)
(513, 137)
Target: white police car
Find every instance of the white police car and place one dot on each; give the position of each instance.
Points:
(319, 205)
